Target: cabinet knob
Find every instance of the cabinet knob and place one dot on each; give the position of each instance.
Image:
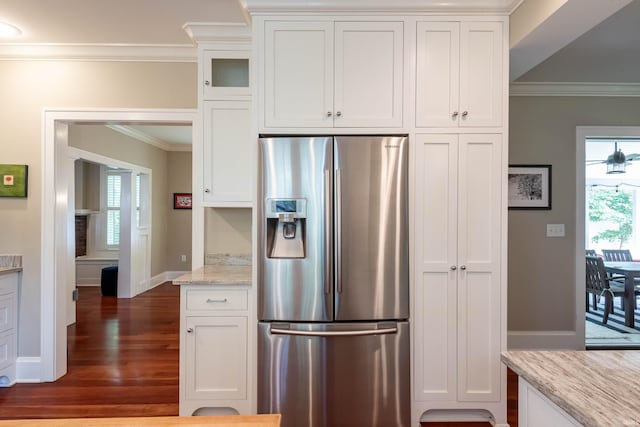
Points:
(454, 115)
(453, 268)
(206, 190)
(189, 330)
(464, 113)
(339, 113)
(463, 267)
(329, 113)
(207, 83)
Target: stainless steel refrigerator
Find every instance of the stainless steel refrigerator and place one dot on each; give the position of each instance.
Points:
(333, 274)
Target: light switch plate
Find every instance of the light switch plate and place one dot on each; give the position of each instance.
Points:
(555, 230)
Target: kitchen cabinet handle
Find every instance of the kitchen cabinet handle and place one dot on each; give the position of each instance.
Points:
(190, 330)
(454, 115)
(207, 83)
(453, 268)
(209, 300)
(335, 333)
(339, 113)
(206, 190)
(329, 113)
(465, 113)
(463, 267)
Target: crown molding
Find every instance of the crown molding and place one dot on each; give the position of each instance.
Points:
(381, 6)
(99, 52)
(228, 32)
(148, 139)
(574, 89)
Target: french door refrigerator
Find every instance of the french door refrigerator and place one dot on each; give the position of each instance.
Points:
(333, 274)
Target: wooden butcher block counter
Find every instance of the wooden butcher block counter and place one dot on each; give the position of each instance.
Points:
(208, 421)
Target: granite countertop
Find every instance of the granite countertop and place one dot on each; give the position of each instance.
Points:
(217, 275)
(597, 388)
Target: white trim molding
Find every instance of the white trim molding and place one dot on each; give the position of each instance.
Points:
(28, 370)
(574, 89)
(381, 6)
(98, 52)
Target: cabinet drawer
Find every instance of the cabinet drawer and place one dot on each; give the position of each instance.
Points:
(8, 283)
(222, 299)
(7, 313)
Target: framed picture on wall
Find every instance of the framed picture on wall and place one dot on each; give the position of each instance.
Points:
(530, 187)
(14, 180)
(182, 201)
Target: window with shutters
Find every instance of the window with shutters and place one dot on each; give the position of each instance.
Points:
(113, 208)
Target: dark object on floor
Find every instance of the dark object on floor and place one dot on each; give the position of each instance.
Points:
(109, 281)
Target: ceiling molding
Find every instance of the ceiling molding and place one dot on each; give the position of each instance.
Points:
(99, 52)
(148, 139)
(574, 89)
(381, 6)
(230, 32)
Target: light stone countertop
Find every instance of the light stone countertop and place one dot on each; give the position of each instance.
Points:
(597, 388)
(217, 275)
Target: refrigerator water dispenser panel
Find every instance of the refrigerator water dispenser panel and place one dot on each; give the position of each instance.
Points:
(286, 228)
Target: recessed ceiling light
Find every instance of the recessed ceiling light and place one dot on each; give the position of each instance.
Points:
(8, 30)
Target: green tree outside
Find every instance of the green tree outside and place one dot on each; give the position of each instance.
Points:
(614, 208)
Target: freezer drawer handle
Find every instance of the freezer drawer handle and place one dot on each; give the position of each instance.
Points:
(336, 333)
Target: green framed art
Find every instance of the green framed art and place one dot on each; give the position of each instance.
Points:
(13, 180)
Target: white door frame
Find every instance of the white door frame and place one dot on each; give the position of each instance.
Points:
(54, 256)
(582, 133)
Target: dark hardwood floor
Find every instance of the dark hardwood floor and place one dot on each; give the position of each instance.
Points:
(123, 362)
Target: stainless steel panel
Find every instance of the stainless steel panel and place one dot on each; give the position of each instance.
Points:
(339, 380)
(372, 273)
(297, 289)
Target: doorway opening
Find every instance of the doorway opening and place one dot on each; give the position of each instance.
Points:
(58, 250)
(608, 223)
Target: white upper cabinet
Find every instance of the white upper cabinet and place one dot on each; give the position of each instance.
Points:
(459, 75)
(226, 74)
(228, 153)
(323, 74)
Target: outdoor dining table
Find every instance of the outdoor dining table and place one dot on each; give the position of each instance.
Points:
(630, 270)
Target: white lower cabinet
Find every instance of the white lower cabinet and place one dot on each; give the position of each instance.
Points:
(214, 348)
(535, 410)
(457, 314)
(8, 327)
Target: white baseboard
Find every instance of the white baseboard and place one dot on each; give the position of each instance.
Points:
(165, 277)
(28, 370)
(544, 340)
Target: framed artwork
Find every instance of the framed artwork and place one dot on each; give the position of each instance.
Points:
(530, 187)
(13, 180)
(181, 200)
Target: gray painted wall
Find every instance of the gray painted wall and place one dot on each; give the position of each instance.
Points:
(541, 276)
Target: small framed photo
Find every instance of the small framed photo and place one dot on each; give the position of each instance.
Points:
(13, 180)
(530, 187)
(182, 201)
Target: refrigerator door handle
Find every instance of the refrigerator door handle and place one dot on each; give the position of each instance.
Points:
(384, 331)
(328, 214)
(338, 233)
